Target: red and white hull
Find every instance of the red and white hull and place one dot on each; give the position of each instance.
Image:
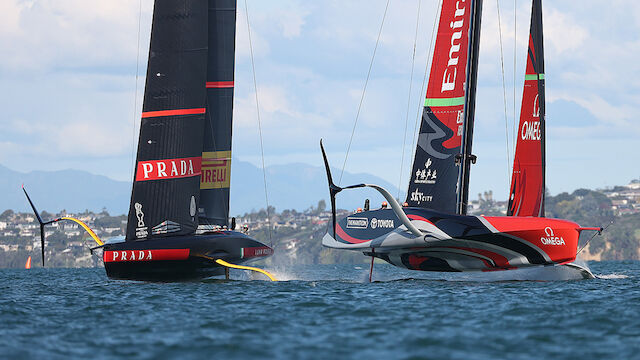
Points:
(457, 243)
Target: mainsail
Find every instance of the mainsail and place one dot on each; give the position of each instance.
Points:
(216, 156)
(418, 238)
(527, 192)
(182, 168)
(436, 176)
(166, 188)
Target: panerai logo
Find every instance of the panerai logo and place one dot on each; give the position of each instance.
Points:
(451, 72)
(550, 239)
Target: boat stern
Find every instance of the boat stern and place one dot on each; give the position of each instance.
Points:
(557, 240)
(181, 257)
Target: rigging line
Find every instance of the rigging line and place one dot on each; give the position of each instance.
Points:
(255, 86)
(364, 90)
(504, 91)
(430, 57)
(515, 47)
(406, 120)
(594, 235)
(135, 96)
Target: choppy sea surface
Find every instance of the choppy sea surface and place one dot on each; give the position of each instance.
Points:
(322, 312)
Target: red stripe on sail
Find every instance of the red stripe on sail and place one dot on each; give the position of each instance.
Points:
(448, 69)
(149, 114)
(219, 84)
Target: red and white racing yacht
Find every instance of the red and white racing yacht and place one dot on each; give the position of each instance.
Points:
(431, 230)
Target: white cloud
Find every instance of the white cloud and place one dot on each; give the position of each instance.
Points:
(68, 77)
(10, 17)
(607, 113)
(292, 19)
(563, 33)
(243, 47)
(70, 33)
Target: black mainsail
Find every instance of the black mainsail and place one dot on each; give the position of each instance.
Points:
(166, 187)
(184, 152)
(182, 168)
(216, 155)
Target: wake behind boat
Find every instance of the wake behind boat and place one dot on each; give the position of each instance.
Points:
(178, 227)
(431, 231)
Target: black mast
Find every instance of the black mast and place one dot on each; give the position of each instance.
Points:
(466, 158)
(538, 43)
(216, 153)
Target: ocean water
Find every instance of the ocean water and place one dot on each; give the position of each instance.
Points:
(323, 312)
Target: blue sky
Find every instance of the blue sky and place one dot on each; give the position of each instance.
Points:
(68, 86)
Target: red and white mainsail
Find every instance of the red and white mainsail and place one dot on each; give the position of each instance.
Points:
(434, 175)
(527, 193)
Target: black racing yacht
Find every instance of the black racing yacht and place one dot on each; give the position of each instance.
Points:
(178, 224)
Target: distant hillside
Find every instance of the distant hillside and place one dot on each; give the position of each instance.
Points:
(620, 240)
(296, 186)
(293, 186)
(71, 190)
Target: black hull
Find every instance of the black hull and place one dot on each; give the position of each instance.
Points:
(180, 258)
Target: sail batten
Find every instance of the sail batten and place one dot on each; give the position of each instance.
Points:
(219, 84)
(158, 113)
(527, 190)
(444, 102)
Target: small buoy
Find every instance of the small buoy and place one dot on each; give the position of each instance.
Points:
(28, 264)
